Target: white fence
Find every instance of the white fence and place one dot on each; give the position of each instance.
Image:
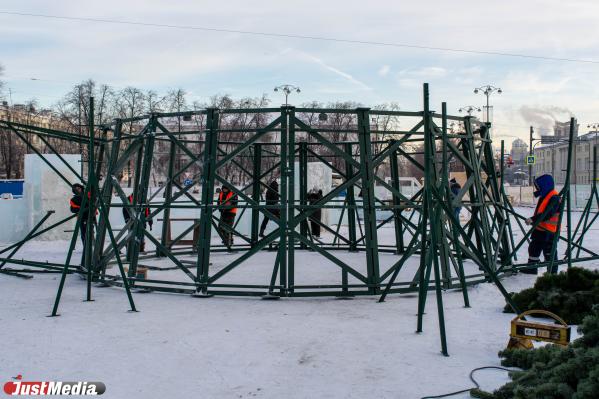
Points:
(523, 196)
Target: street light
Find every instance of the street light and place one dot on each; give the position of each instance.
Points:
(487, 91)
(455, 127)
(469, 109)
(287, 89)
(595, 127)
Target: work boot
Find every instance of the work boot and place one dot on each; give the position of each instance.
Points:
(529, 271)
(142, 247)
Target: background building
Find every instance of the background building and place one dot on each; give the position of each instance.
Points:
(519, 152)
(517, 171)
(552, 158)
(13, 149)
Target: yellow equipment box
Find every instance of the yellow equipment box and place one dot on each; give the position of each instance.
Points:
(523, 331)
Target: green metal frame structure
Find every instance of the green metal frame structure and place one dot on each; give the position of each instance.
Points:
(431, 249)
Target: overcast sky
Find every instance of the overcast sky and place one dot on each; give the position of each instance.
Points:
(62, 53)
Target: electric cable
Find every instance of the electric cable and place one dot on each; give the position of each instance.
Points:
(296, 36)
(471, 375)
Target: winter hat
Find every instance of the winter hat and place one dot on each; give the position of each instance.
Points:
(74, 186)
(544, 185)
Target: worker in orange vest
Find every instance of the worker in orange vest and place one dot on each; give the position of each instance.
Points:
(547, 214)
(228, 203)
(75, 205)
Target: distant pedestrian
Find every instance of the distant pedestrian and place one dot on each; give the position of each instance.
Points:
(272, 198)
(315, 218)
(228, 203)
(127, 217)
(547, 216)
(455, 188)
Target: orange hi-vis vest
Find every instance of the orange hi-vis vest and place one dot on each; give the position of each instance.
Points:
(73, 204)
(226, 201)
(551, 224)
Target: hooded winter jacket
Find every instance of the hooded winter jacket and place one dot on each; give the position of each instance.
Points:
(547, 210)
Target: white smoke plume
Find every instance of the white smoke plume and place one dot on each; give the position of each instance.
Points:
(543, 118)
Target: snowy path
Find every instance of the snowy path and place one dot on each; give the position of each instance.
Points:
(183, 347)
(241, 347)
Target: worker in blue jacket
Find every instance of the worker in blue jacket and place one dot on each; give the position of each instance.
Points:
(547, 215)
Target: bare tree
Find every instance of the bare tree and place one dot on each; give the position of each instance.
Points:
(154, 103)
(74, 108)
(237, 128)
(104, 111)
(384, 128)
(13, 149)
(177, 102)
(5, 138)
(130, 102)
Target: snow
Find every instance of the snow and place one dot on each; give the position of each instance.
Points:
(240, 347)
(230, 347)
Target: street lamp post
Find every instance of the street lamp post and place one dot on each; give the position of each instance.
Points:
(469, 109)
(487, 91)
(287, 89)
(595, 127)
(530, 153)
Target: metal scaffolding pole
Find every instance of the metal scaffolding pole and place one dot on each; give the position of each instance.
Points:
(412, 243)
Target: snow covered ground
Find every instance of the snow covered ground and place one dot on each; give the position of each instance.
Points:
(221, 347)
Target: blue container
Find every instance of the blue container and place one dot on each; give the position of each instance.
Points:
(15, 187)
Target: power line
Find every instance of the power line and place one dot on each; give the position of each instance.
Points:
(12, 77)
(303, 37)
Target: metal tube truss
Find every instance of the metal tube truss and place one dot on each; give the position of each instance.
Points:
(383, 240)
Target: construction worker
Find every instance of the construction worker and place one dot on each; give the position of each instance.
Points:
(127, 217)
(547, 214)
(272, 198)
(228, 201)
(75, 205)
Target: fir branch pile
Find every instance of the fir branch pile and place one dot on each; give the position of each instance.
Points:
(570, 295)
(554, 372)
